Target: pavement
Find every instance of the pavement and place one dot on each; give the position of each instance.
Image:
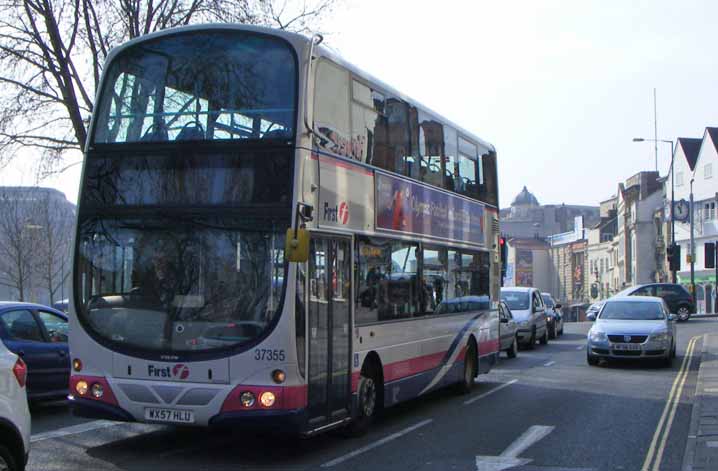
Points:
(546, 410)
(702, 445)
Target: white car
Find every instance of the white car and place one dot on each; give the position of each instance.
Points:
(529, 312)
(14, 412)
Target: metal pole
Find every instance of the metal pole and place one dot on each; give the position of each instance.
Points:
(673, 206)
(692, 250)
(655, 127)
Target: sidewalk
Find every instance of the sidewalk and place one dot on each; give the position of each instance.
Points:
(702, 445)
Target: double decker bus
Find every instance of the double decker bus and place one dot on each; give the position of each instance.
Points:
(267, 236)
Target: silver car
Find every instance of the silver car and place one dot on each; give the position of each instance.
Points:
(632, 327)
(508, 340)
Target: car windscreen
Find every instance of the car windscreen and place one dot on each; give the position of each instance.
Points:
(547, 300)
(632, 310)
(516, 300)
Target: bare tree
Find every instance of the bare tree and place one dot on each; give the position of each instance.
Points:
(18, 238)
(55, 221)
(52, 52)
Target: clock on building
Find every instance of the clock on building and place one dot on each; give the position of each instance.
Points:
(682, 210)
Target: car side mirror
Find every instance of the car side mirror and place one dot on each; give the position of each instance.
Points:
(504, 320)
(558, 306)
(591, 317)
(672, 317)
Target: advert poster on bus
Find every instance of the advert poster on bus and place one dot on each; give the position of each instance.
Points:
(403, 206)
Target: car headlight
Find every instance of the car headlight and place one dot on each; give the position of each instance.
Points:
(659, 336)
(523, 323)
(597, 336)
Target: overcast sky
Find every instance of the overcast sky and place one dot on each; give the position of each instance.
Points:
(559, 87)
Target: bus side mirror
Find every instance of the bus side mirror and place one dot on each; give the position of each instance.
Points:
(296, 245)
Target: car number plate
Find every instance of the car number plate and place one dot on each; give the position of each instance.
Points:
(174, 416)
(626, 346)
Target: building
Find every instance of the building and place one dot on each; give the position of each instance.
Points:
(567, 254)
(600, 252)
(36, 231)
(527, 219)
(528, 264)
(695, 174)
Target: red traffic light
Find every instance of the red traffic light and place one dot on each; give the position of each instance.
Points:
(502, 241)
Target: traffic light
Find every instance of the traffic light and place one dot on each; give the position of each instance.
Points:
(673, 253)
(710, 248)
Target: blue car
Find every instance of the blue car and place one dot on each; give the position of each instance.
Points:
(38, 334)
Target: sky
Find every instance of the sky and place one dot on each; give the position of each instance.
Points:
(559, 87)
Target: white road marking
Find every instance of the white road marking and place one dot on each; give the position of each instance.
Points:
(580, 347)
(497, 388)
(549, 363)
(509, 458)
(375, 444)
(527, 439)
(73, 430)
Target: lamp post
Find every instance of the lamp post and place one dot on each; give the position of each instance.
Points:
(673, 192)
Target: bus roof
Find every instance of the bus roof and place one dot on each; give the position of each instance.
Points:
(300, 41)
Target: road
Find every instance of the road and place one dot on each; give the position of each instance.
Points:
(546, 410)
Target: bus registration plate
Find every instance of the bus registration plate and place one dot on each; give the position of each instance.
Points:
(169, 415)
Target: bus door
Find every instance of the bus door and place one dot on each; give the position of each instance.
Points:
(329, 329)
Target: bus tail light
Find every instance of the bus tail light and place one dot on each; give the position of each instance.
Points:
(77, 364)
(266, 397)
(20, 371)
(95, 388)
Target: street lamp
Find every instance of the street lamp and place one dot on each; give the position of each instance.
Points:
(673, 193)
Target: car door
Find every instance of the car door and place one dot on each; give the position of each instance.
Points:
(538, 313)
(23, 335)
(669, 295)
(507, 327)
(55, 329)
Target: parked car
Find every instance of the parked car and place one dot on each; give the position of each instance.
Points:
(38, 334)
(528, 311)
(677, 297)
(594, 308)
(508, 340)
(554, 319)
(632, 327)
(14, 412)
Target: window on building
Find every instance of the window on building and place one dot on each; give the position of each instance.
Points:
(709, 211)
(708, 171)
(679, 178)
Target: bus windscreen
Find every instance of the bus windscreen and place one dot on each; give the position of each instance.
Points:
(209, 85)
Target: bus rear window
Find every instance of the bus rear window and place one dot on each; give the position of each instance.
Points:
(212, 85)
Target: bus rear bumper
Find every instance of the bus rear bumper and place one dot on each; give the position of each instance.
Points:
(91, 409)
(278, 421)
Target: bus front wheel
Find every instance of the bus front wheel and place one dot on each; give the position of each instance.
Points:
(368, 392)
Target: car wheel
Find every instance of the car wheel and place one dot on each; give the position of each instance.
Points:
(7, 461)
(591, 359)
(668, 361)
(470, 370)
(683, 313)
(368, 402)
(544, 338)
(560, 332)
(532, 340)
(513, 349)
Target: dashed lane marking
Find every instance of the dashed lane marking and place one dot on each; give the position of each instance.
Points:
(549, 363)
(497, 388)
(376, 444)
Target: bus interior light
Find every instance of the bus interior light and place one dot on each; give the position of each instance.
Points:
(81, 388)
(267, 399)
(77, 364)
(247, 398)
(279, 376)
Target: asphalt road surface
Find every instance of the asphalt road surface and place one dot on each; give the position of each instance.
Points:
(546, 410)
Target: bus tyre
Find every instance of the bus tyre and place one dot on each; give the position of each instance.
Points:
(7, 460)
(532, 340)
(544, 338)
(367, 404)
(513, 349)
(468, 378)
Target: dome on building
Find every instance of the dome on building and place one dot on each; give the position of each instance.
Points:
(525, 198)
